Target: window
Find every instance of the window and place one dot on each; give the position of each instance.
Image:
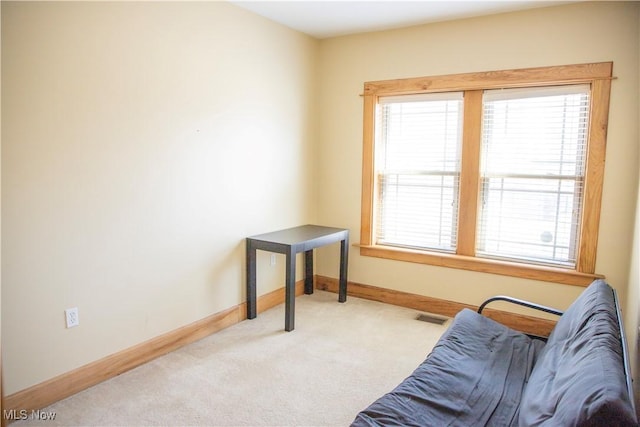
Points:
(498, 172)
(418, 168)
(532, 172)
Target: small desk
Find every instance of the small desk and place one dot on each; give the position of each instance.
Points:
(290, 242)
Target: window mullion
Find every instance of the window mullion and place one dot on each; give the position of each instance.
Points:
(469, 173)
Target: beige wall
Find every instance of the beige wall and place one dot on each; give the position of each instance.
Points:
(632, 307)
(578, 33)
(143, 141)
(632, 314)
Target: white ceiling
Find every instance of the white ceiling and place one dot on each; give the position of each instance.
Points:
(323, 19)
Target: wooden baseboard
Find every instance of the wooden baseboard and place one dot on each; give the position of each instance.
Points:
(70, 383)
(527, 324)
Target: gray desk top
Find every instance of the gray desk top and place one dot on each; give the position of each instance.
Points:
(295, 235)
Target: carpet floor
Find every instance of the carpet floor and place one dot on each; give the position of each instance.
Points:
(339, 359)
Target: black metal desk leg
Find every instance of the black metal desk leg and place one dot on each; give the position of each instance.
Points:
(308, 272)
(251, 280)
(290, 291)
(344, 261)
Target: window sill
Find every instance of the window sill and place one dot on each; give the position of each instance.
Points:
(505, 268)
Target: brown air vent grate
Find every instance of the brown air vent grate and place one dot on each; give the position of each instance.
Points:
(431, 318)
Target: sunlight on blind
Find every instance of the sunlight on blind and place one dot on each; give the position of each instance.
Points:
(532, 173)
(417, 169)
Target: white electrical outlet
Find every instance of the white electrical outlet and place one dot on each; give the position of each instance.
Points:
(72, 317)
(273, 260)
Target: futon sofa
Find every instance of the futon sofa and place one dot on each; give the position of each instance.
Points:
(482, 373)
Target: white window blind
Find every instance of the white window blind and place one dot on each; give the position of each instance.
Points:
(417, 168)
(532, 173)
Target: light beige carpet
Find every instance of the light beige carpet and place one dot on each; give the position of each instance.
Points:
(339, 359)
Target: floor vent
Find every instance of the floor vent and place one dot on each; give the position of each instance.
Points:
(430, 318)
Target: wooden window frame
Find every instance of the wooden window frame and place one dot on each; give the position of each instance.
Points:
(598, 75)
